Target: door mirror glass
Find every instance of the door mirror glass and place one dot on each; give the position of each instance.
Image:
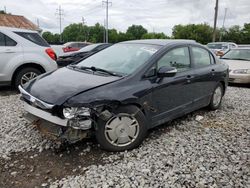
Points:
(165, 71)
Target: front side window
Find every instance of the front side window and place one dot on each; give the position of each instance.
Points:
(2, 39)
(201, 57)
(6, 41)
(178, 58)
(121, 58)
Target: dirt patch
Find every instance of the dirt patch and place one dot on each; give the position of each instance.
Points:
(31, 169)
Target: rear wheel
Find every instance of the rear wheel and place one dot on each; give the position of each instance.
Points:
(25, 75)
(216, 99)
(125, 130)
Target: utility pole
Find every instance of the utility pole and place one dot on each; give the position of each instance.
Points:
(86, 31)
(107, 3)
(38, 24)
(104, 33)
(59, 12)
(223, 24)
(83, 21)
(215, 19)
(5, 10)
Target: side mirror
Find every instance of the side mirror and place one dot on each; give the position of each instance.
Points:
(166, 71)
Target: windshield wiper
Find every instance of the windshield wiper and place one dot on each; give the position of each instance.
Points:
(96, 69)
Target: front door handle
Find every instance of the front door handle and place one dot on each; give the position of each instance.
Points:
(9, 51)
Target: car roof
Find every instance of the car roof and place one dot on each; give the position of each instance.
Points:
(13, 29)
(241, 48)
(78, 42)
(221, 43)
(161, 42)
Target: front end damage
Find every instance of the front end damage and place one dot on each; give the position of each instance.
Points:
(69, 124)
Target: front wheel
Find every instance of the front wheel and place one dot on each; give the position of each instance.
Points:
(216, 99)
(125, 130)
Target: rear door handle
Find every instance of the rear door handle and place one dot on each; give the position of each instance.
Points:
(213, 72)
(189, 77)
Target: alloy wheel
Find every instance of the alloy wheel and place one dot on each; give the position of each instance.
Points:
(27, 77)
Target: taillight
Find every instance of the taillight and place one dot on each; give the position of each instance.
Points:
(51, 53)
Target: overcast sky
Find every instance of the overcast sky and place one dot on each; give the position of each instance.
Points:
(155, 15)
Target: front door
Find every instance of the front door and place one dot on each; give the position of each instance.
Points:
(173, 96)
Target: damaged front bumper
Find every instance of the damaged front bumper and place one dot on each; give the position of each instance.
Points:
(38, 112)
(55, 127)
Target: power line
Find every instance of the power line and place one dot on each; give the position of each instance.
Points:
(215, 19)
(107, 3)
(60, 14)
(224, 19)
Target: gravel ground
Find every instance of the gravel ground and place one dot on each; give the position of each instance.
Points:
(15, 133)
(203, 149)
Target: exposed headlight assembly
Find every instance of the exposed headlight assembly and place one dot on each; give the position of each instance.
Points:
(242, 71)
(72, 112)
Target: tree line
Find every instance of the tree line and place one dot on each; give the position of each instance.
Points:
(202, 33)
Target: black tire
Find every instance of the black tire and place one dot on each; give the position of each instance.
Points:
(136, 113)
(20, 73)
(215, 105)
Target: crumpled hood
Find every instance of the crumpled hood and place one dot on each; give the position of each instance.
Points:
(58, 86)
(237, 64)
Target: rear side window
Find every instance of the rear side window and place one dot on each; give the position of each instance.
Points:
(81, 45)
(74, 45)
(6, 41)
(33, 37)
(201, 57)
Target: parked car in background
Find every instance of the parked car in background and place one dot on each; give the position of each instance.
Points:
(73, 46)
(220, 48)
(238, 60)
(86, 51)
(124, 90)
(24, 55)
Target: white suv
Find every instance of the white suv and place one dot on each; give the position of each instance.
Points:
(24, 54)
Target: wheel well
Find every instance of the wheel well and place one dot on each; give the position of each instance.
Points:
(224, 86)
(27, 65)
(137, 105)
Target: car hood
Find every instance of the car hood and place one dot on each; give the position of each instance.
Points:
(58, 86)
(237, 64)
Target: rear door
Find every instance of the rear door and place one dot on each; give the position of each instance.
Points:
(206, 74)
(10, 53)
(174, 96)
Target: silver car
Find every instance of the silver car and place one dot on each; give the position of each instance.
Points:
(238, 60)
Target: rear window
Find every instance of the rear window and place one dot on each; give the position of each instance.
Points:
(34, 37)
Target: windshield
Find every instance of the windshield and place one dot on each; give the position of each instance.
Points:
(238, 54)
(217, 46)
(121, 58)
(88, 48)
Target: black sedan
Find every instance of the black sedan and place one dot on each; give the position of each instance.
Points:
(124, 90)
(84, 52)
